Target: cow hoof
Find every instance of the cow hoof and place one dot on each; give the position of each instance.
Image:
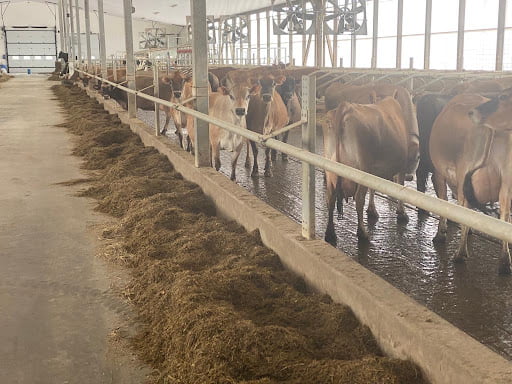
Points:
(362, 235)
(233, 178)
(268, 173)
(330, 237)
(255, 173)
(372, 214)
(439, 238)
(284, 157)
(402, 217)
(247, 164)
(504, 269)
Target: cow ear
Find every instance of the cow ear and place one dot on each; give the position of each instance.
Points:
(255, 89)
(188, 78)
(166, 80)
(280, 80)
(223, 90)
(395, 94)
(373, 97)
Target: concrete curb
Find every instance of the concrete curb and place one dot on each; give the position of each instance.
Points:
(402, 327)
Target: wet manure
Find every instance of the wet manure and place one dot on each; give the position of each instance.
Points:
(216, 305)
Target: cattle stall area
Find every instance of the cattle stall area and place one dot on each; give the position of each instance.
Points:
(265, 191)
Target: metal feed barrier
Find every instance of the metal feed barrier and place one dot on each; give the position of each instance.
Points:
(483, 223)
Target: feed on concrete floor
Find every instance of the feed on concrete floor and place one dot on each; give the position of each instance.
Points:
(217, 306)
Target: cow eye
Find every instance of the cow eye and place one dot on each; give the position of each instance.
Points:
(231, 97)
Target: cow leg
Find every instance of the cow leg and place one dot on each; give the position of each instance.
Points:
(268, 163)
(339, 195)
(234, 159)
(273, 154)
(216, 155)
(167, 120)
(371, 210)
(441, 192)
(255, 169)
(284, 156)
(421, 182)
(400, 210)
(360, 197)
(330, 233)
(504, 268)
(462, 252)
(247, 155)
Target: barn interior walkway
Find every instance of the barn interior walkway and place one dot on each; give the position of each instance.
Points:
(56, 309)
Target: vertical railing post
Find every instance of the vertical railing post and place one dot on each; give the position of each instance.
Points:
(103, 47)
(156, 93)
(268, 36)
(200, 81)
(78, 34)
(130, 61)
(65, 27)
(309, 144)
(375, 36)
(353, 41)
(258, 39)
(319, 6)
(72, 34)
(460, 35)
(114, 69)
(87, 17)
(501, 35)
(61, 34)
(428, 34)
(399, 26)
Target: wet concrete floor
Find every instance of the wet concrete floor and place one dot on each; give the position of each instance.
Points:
(471, 295)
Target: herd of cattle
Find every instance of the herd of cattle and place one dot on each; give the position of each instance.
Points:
(461, 137)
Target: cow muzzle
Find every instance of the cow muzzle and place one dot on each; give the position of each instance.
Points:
(267, 98)
(240, 111)
(177, 95)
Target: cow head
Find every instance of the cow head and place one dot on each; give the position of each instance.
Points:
(240, 89)
(176, 80)
(287, 89)
(496, 113)
(268, 84)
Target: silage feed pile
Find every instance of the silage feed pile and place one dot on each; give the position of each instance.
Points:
(217, 306)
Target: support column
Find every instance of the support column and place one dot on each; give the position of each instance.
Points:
(375, 36)
(335, 45)
(399, 24)
(319, 32)
(61, 29)
(308, 144)
(501, 35)
(156, 93)
(460, 35)
(258, 39)
(353, 41)
(78, 34)
(428, 32)
(248, 60)
(268, 37)
(87, 17)
(130, 61)
(200, 81)
(103, 47)
(72, 37)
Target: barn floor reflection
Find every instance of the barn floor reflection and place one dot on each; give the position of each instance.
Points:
(471, 295)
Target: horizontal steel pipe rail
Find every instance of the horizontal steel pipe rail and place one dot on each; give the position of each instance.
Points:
(284, 129)
(486, 224)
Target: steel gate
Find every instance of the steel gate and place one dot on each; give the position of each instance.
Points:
(31, 48)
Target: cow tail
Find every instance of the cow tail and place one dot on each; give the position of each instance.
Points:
(469, 192)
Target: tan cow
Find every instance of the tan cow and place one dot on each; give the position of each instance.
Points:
(336, 93)
(176, 81)
(372, 138)
(471, 150)
(267, 113)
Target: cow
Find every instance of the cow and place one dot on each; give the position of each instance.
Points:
(476, 86)
(287, 92)
(176, 81)
(428, 107)
(266, 113)
(471, 150)
(231, 105)
(372, 138)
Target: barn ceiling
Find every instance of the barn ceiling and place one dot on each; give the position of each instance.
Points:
(172, 11)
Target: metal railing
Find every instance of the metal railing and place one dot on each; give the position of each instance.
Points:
(479, 221)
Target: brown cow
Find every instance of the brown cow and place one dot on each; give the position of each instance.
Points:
(473, 158)
(176, 82)
(372, 138)
(267, 113)
(337, 93)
